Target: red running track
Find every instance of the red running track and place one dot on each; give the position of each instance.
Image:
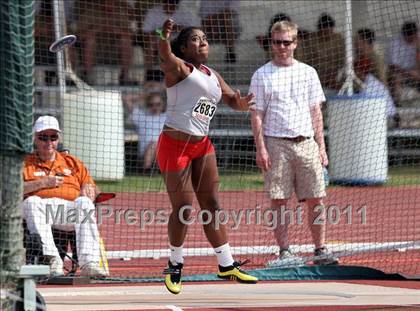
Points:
(378, 215)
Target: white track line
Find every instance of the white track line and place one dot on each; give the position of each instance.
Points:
(173, 308)
(345, 249)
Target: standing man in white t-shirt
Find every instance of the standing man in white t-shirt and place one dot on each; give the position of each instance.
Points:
(288, 131)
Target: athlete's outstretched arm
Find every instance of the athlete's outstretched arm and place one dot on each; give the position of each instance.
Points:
(173, 67)
(234, 98)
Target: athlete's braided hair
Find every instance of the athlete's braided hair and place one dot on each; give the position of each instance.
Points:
(181, 40)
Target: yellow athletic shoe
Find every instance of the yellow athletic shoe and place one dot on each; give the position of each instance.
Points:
(235, 274)
(173, 277)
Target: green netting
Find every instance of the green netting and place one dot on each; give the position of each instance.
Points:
(16, 78)
(16, 96)
(11, 242)
(108, 121)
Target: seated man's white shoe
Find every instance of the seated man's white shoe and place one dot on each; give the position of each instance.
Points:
(286, 260)
(93, 269)
(56, 266)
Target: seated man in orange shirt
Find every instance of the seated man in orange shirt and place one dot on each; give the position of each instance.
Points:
(59, 192)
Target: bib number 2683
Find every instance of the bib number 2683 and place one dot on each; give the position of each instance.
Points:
(204, 109)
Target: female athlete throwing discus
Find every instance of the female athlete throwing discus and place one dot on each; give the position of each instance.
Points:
(185, 154)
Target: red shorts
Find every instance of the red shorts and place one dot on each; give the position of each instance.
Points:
(176, 155)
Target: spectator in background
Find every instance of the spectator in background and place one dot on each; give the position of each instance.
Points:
(265, 40)
(220, 22)
(288, 130)
(148, 121)
(369, 84)
(44, 36)
(97, 20)
(370, 69)
(44, 32)
(402, 61)
(169, 9)
(141, 8)
(418, 55)
(58, 180)
(366, 55)
(325, 51)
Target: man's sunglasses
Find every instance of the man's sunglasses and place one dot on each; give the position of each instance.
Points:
(48, 137)
(284, 42)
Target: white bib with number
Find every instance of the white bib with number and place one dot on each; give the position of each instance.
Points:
(204, 109)
(192, 102)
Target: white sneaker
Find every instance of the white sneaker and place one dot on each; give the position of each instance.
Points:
(286, 260)
(323, 257)
(93, 269)
(56, 266)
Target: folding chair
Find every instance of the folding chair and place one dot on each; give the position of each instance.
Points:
(62, 239)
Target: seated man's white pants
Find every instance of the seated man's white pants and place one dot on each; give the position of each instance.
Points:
(41, 214)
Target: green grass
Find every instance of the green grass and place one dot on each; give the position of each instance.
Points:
(400, 176)
(228, 182)
(133, 184)
(404, 176)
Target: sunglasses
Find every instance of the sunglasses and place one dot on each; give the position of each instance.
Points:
(284, 42)
(48, 137)
(154, 104)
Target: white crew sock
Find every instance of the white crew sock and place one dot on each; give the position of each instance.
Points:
(176, 254)
(224, 256)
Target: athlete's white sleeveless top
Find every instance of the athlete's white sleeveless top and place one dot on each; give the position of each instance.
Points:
(192, 102)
